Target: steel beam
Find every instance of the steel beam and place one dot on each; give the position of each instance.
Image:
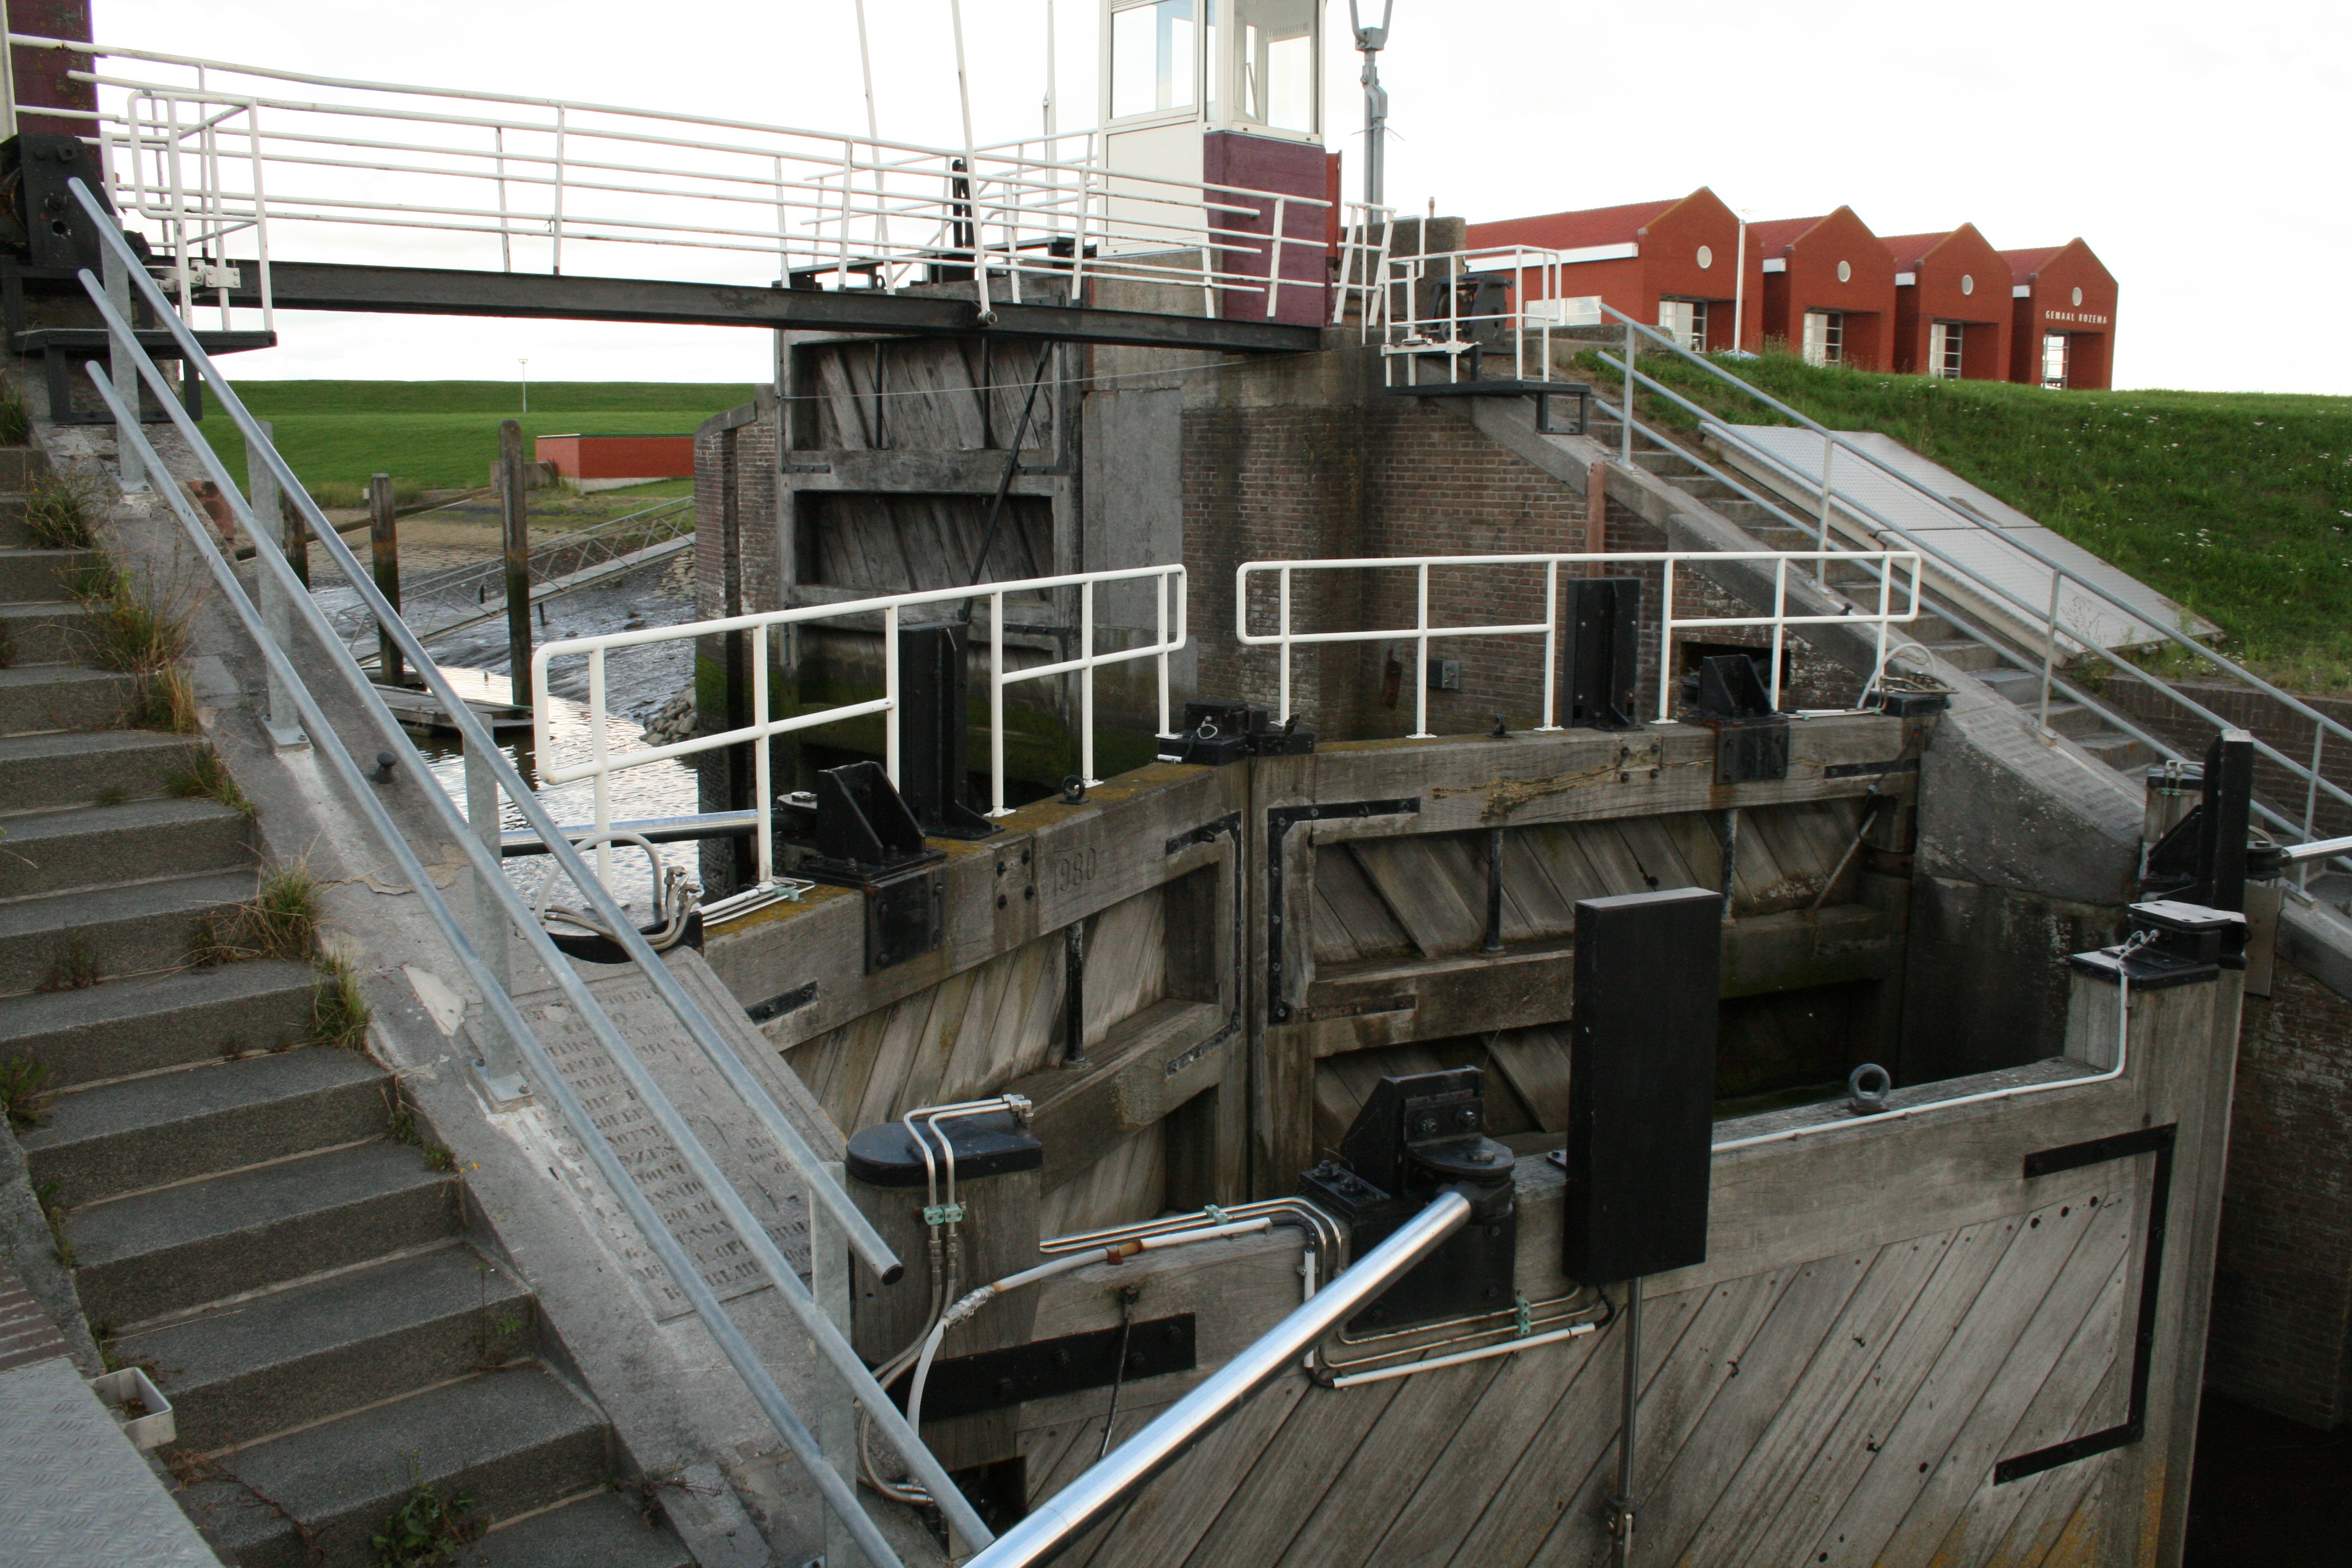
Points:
(448, 291)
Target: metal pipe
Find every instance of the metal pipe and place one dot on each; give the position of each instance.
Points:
(1069, 1512)
(658, 1237)
(1624, 1505)
(721, 1056)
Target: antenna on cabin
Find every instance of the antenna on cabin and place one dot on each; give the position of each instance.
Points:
(1371, 41)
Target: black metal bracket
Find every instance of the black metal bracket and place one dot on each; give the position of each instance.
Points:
(1072, 1364)
(783, 1002)
(1279, 821)
(2157, 1140)
(1226, 827)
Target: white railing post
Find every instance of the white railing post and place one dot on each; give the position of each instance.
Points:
(599, 747)
(283, 721)
(1821, 534)
(561, 125)
(890, 693)
(506, 218)
(1625, 446)
(1421, 643)
(1274, 260)
(123, 367)
(1159, 608)
(1666, 641)
(1551, 646)
(2050, 649)
(996, 703)
(1282, 620)
(2311, 800)
(1087, 684)
(1780, 623)
(762, 787)
(841, 273)
(260, 218)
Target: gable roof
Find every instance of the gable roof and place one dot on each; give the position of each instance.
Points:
(1591, 226)
(2024, 264)
(1776, 235)
(1908, 249)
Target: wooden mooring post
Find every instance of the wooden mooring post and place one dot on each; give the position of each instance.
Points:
(514, 519)
(384, 539)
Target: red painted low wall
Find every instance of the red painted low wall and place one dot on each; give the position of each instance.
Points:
(579, 457)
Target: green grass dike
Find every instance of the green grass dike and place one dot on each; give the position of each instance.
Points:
(435, 434)
(2237, 505)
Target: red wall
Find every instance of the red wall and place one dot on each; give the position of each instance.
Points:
(1810, 283)
(580, 458)
(1942, 292)
(2051, 306)
(41, 73)
(1285, 168)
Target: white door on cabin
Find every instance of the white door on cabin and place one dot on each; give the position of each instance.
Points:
(2053, 360)
(1944, 340)
(1684, 320)
(1824, 337)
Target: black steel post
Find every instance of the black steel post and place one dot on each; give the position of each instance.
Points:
(384, 539)
(514, 522)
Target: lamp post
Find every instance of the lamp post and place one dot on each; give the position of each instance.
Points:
(526, 383)
(1740, 286)
(1371, 41)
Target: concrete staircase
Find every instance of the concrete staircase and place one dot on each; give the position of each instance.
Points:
(252, 1214)
(2015, 678)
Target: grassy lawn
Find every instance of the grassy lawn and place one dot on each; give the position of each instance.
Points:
(2235, 504)
(444, 434)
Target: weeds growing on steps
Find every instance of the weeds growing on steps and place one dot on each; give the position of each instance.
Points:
(22, 1091)
(57, 509)
(339, 1009)
(400, 1126)
(426, 1528)
(75, 969)
(127, 631)
(280, 921)
(53, 1211)
(205, 776)
(15, 419)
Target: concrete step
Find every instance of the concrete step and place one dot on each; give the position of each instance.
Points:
(67, 940)
(53, 631)
(128, 1137)
(62, 696)
(2022, 687)
(73, 768)
(166, 1251)
(39, 574)
(1962, 654)
(513, 1441)
(165, 1021)
(606, 1531)
(2119, 750)
(313, 1351)
(2076, 721)
(97, 846)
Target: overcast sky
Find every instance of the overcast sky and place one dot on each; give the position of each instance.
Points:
(2199, 149)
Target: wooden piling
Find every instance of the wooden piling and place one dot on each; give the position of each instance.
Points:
(515, 522)
(384, 539)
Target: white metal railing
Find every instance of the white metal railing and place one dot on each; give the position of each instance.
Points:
(285, 620)
(1423, 631)
(1432, 307)
(1167, 583)
(2060, 621)
(210, 152)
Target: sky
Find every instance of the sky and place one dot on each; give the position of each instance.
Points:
(2197, 149)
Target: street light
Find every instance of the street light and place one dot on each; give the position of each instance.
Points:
(1371, 41)
(1739, 288)
(526, 383)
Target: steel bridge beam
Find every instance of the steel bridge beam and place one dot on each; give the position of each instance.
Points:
(446, 291)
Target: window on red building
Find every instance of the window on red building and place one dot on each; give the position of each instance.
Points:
(1684, 320)
(1944, 340)
(1824, 337)
(2053, 361)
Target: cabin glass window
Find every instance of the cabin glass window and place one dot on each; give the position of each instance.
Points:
(1273, 67)
(2053, 360)
(1684, 320)
(1944, 339)
(1824, 337)
(1153, 60)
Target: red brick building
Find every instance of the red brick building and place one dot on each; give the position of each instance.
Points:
(1829, 288)
(2062, 332)
(1951, 309)
(1674, 263)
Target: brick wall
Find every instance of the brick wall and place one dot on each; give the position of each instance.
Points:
(2282, 1276)
(1397, 476)
(2270, 721)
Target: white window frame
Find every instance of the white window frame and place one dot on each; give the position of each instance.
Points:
(1947, 345)
(1203, 30)
(1826, 344)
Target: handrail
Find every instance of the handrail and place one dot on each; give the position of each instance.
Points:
(1408, 337)
(602, 763)
(490, 876)
(1421, 632)
(2188, 643)
(804, 197)
(2060, 572)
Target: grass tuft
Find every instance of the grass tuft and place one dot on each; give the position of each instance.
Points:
(15, 419)
(58, 507)
(75, 969)
(164, 700)
(23, 1091)
(283, 918)
(127, 630)
(426, 1528)
(205, 776)
(53, 1211)
(339, 1008)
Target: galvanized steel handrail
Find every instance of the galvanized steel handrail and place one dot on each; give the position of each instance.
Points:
(194, 157)
(1421, 631)
(2322, 724)
(1414, 334)
(602, 763)
(490, 878)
